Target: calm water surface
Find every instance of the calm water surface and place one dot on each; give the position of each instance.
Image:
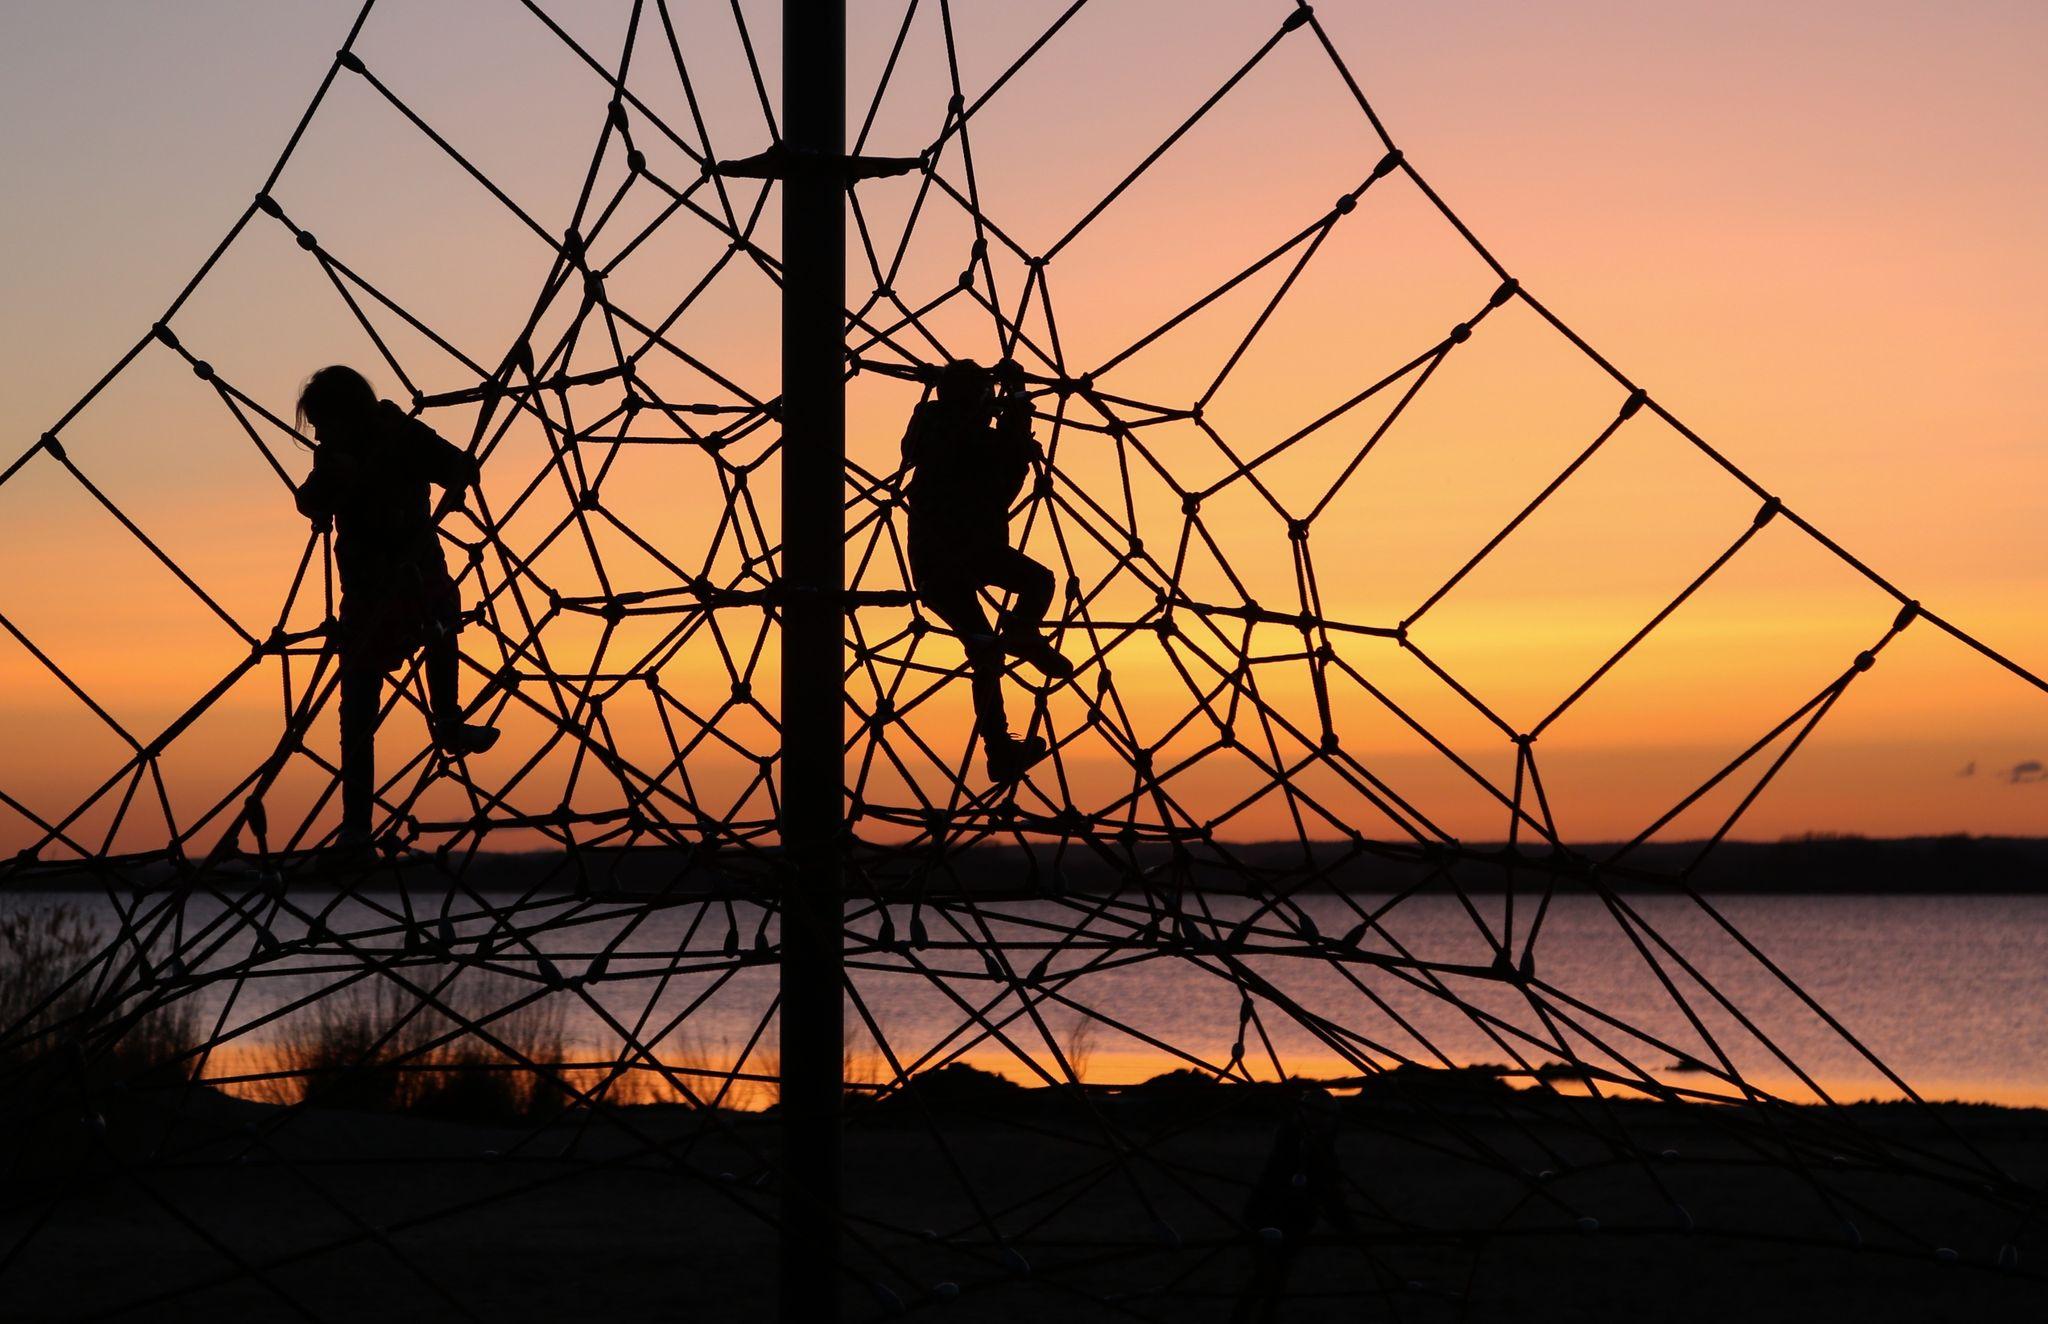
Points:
(1950, 992)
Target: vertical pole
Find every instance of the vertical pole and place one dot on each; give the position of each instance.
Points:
(813, 648)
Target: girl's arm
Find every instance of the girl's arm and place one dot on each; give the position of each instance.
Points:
(913, 436)
(321, 494)
(1017, 446)
(448, 464)
(437, 459)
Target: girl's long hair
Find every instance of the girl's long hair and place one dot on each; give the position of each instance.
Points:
(336, 391)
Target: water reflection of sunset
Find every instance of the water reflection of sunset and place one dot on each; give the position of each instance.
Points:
(1972, 960)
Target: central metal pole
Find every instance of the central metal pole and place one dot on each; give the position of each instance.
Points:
(813, 648)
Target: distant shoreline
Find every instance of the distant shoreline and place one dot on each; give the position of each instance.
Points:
(1806, 866)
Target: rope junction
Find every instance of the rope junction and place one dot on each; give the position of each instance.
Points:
(638, 673)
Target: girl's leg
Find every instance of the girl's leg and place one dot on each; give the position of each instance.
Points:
(362, 691)
(955, 598)
(443, 663)
(1033, 586)
(443, 666)
(958, 604)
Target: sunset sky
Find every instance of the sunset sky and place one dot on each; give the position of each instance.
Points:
(1810, 230)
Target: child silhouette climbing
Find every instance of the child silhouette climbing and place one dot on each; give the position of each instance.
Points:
(371, 471)
(969, 454)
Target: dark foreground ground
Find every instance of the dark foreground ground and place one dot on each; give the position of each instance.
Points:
(249, 1211)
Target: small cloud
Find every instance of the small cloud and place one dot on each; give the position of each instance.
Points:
(1969, 769)
(2027, 770)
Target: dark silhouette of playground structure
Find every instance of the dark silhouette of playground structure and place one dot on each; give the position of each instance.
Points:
(846, 881)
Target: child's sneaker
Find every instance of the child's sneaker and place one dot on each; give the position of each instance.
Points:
(1010, 758)
(1035, 648)
(457, 738)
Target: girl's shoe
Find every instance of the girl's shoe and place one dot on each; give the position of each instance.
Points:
(1010, 758)
(1035, 648)
(457, 738)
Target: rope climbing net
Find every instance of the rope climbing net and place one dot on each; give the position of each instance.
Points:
(1220, 877)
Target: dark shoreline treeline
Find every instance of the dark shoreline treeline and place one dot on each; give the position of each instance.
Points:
(1826, 864)
(1810, 865)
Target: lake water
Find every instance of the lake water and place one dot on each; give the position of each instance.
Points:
(1950, 992)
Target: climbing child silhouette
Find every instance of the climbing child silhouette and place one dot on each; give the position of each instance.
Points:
(371, 471)
(969, 453)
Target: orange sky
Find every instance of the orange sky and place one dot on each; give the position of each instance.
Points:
(1810, 231)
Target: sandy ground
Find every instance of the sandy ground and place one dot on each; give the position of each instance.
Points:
(234, 1210)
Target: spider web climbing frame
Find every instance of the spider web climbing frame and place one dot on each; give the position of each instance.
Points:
(1004, 907)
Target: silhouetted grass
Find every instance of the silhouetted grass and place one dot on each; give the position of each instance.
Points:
(87, 1040)
(40, 951)
(50, 960)
(692, 1073)
(490, 1049)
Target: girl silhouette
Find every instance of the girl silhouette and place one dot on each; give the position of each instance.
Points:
(969, 451)
(371, 470)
